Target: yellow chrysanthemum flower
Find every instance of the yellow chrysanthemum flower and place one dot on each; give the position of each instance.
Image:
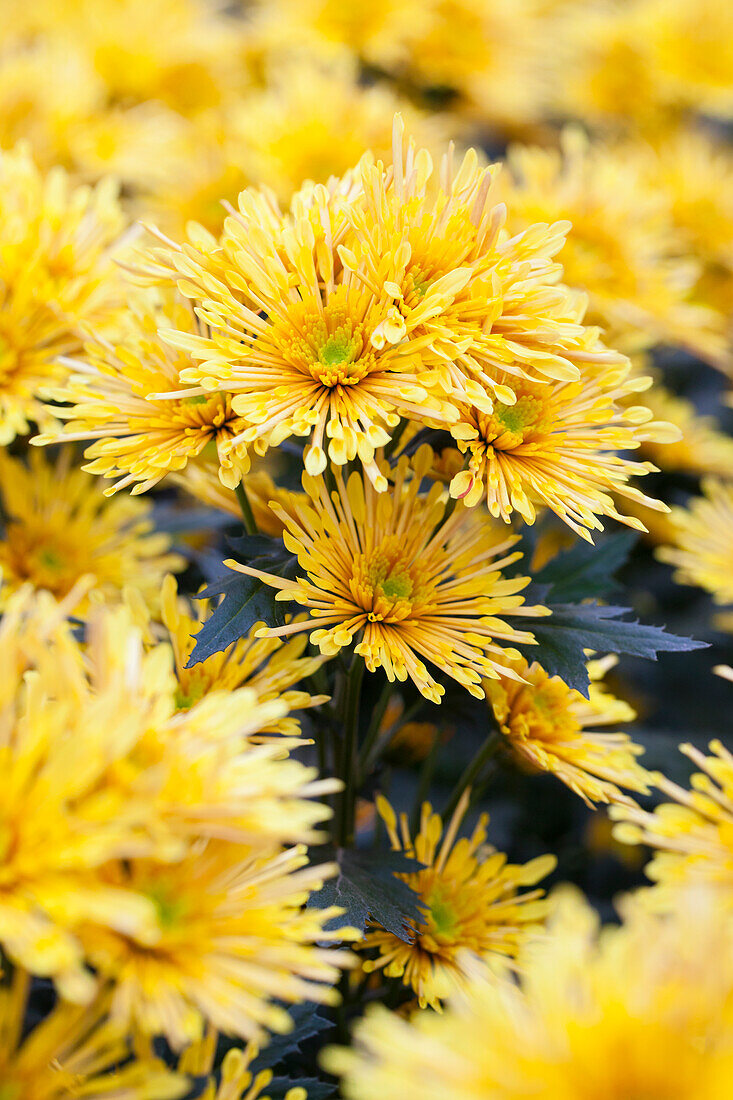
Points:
(59, 528)
(557, 445)
(624, 249)
(691, 51)
(402, 578)
(645, 1009)
(74, 1051)
(267, 666)
(489, 53)
(125, 394)
(179, 52)
(692, 835)
(54, 275)
(48, 92)
(702, 553)
(695, 173)
(161, 847)
(286, 131)
(551, 728)
(376, 298)
(469, 904)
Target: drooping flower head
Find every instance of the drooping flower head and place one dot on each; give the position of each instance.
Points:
(154, 851)
(124, 393)
(556, 446)
(691, 836)
(470, 902)
(637, 1010)
(551, 728)
(401, 580)
(54, 275)
(75, 1051)
(59, 528)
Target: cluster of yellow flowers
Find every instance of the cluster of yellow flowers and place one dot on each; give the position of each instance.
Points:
(412, 293)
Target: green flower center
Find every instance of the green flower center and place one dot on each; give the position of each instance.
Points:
(442, 914)
(170, 909)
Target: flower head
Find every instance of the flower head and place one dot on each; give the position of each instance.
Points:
(692, 835)
(161, 847)
(54, 275)
(468, 900)
(400, 580)
(59, 528)
(703, 549)
(384, 295)
(551, 728)
(639, 1010)
(624, 249)
(236, 1079)
(556, 445)
(125, 394)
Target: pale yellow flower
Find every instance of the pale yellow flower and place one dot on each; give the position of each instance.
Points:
(702, 553)
(645, 1009)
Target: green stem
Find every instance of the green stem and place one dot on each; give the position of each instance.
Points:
(248, 518)
(490, 747)
(350, 712)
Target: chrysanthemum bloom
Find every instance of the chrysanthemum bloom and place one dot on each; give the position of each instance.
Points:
(179, 52)
(488, 308)
(703, 549)
(124, 393)
(692, 835)
(270, 668)
(551, 728)
(557, 446)
(695, 173)
(303, 346)
(641, 1010)
(54, 274)
(285, 133)
(401, 578)
(59, 527)
(161, 847)
(75, 1051)
(469, 901)
(624, 249)
(232, 933)
(691, 50)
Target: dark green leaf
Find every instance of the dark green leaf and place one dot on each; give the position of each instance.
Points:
(307, 1022)
(247, 600)
(573, 628)
(366, 886)
(584, 571)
